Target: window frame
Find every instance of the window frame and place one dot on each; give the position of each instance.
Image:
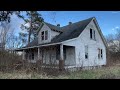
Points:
(44, 35)
(86, 52)
(32, 56)
(100, 53)
(92, 34)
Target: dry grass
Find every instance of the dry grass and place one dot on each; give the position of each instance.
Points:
(112, 72)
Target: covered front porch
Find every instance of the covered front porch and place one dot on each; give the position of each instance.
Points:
(57, 55)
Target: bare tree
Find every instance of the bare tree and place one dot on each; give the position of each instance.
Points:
(4, 33)
(113, 40)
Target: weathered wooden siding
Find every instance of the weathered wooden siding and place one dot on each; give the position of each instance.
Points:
(84, 39)
(45, 27)
(51, 34)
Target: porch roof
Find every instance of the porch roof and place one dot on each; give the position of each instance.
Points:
(36, 46)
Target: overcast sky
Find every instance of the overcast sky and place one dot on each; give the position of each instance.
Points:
(107, 20)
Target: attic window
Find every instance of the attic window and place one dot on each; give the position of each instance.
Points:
(92, 34)
(46, 35)
(42, 35)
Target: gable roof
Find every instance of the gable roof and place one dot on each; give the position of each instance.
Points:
(53, 27)
(67, 32)
(71, 31)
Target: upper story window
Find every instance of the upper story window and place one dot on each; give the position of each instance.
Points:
(44, 35)
(101, 53)
(92, 34)
(86, 52)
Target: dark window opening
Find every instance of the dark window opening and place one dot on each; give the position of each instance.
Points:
(86, 56)
(91, 33)
(98, 53)
(42, 35)
(101, 53)
(32, 56)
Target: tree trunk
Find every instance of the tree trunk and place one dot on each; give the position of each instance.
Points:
(29, 36)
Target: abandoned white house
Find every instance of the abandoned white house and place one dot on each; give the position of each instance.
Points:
(75, 45)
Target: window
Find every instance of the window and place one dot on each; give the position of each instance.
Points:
(42, 35)
(86, 52)
(32, 56)
(92, 34)
(100, 53)
(46, 35)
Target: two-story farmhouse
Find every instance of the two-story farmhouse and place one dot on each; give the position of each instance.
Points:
(75, 45)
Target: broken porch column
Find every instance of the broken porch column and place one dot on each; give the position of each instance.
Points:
(61, 61)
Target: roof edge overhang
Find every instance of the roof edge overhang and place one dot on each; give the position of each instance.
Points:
(38, 46)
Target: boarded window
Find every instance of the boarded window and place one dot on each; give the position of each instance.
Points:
(86, 52)
(42, 35)
(46, 35)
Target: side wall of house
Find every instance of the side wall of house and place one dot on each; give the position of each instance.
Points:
(82, 41)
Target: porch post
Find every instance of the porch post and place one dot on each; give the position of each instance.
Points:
(61, 61)
(23, 55)
(38, 53)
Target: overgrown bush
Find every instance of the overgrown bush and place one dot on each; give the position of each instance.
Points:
(8, 61)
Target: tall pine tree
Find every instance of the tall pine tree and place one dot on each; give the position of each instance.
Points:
(34, 20)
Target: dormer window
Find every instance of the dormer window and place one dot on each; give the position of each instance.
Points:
(44, 35)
